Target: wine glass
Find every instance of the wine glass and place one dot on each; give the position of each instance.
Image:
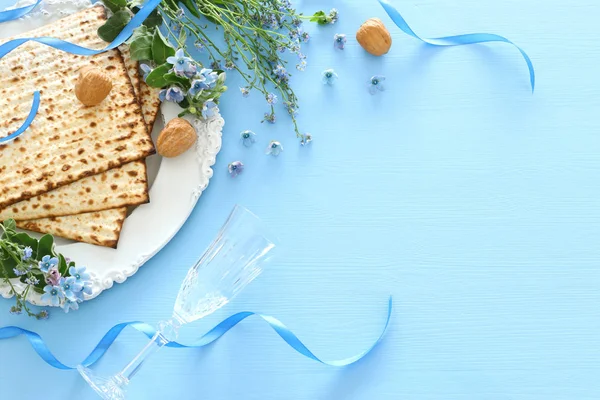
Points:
(233, 260)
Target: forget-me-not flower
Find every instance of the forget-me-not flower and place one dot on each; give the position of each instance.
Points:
(281, 73)
(248, 138)
(70, 305)
(376, 84)
(272, 98)
(69, 287)
(274, 148)
(181, 64)
(173, 93)
(270, 118)
(209, 108)
(52, 295)
(329, 77)
(245, 91)
(198, 85)
(47, 263)
(235, 168)
(339, 41)
(27, 253)
(306, 139)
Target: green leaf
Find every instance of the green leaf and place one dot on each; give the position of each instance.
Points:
(189, 4)
(26, 240)
(141, 48)
(10, 224)
(115, 24)
(156, 78)
(153, 20)
(115, 5)
(45, 247)
(63, 268)
(161, 49)
(172, 78)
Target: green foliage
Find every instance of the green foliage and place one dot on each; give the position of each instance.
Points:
(115, 24)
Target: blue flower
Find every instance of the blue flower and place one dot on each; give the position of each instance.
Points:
(198, 85)
(306, 139)
(32, 281)
(69, 287)
(145, 70)
(339, 40)
(305, 37)
(248, 138)
(290, 108)
(19, 273)
(272, 98)
(301, 66)
(270, 118)
(235, 168)
(329, 77)
(376, 84)
(209, 75)
(245, 91)
(173, 94)
(47, 263)
(27, 252)
(209, 108)
(80, 274)
(52, 295)
(70, 305)
(274, 148)
(181, 64)
(281, 73)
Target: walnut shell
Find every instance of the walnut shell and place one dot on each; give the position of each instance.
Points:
(92, 86)
(177, 138)
(374, 37)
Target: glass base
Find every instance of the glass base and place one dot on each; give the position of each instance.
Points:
(108, 389)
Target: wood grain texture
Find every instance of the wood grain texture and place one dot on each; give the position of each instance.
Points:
(470, 200)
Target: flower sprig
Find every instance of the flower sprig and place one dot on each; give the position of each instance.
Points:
(259, 37)
(37, 265)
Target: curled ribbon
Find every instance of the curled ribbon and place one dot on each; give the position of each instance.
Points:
(211, 336)
(17, 13)
(62, 45)
(458, 40)
(28, 121)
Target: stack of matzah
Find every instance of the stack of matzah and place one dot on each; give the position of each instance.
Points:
(75, 171)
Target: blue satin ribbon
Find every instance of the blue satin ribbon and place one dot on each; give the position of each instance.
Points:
(28, 121)
(17, 13)
(62, 45)
(458, 40)
(214, 334)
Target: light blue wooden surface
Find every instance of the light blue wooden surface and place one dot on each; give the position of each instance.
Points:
(470, 200)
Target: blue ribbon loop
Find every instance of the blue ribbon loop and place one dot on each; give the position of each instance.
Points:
(17, 13)
(213, 335)
(458, 40)
(28, 121)
(62, 45)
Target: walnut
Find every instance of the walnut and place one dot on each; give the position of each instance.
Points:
(177, 137)
(374, 37)
(92, 86)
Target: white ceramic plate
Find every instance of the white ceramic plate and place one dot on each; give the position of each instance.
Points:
(176, 186)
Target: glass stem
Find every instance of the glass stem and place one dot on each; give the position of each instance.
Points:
(166, 333)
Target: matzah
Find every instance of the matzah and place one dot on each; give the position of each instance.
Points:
(100, 228)
(147, 96)
(119, 187)
(67, 141)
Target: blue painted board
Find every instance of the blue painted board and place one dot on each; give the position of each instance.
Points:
(469, 199)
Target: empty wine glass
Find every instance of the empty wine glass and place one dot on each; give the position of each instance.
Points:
(233, 260)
